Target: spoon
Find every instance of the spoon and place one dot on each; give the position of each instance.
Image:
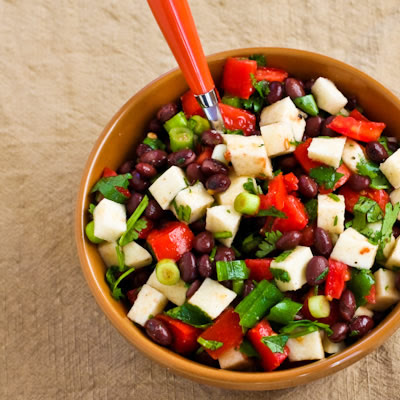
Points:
(177, 25)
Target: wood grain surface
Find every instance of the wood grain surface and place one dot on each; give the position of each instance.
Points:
(66, 66)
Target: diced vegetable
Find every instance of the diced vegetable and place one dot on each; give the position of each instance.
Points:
(232, 270)
(307, 347)
(233, 101)
(167, 272)
(278, 138)
(89, 230)
(233, 359)
(223, 219)
(247, 203)
(391, 169)
(335, 280)
(307, 104)
(327, 150)
(284, 311)
(331, 213)
(361, 284)
(177, 121)
(181, 138)
(296, 214)
(198, 124)
(328, 96)
(136, 256)
(319, 306)
(259, 269)
(190, 314)
(270, 74)
(386, 292)
(301, 154)
(190, 105)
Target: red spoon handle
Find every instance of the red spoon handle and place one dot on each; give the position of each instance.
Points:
(177, 25)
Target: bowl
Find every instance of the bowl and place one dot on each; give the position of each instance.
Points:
(119, 139)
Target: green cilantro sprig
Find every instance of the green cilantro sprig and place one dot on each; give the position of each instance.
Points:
(268, 244)
(108, 187)
(325, 176)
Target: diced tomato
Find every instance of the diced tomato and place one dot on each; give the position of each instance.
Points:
(172, 241)
(190, 105)
(276, 194)
(145, 232)
(346, 175)
(108, 172)
(335, 280)
(334, 309)
(365, 131)
(226, 329)
(236, 79)
(291, 182)
(184, 335)
(236, 118)
(351, 197)
(381, 196)
(371, 297)
(206, 153)
(270, 74)
(123, 191)
(259, 268)
(297, 217)
(269, 359)
(358, 116)
(301, 154)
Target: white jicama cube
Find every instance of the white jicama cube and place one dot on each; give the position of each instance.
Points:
(285, 111)
(248, 156)
(236, 187)
(174, 293)
(353, 153)
(354, 249)
(167, 186)
(234, 360)
(393, 260)
(391, 169)
(136, 256)
(329, 346)
(363, 311)
(148, 304)
(212, 297)
(295, 265)
(327, 150)
(277, 138)
(395, 198)
(219, 153)
(328, 96)
(109, 220)
(331, 209)
(223, 219)
(108, 253)
(386, 292)
(307, 347)
(196, 198)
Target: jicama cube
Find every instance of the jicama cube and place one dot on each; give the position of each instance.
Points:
(354, 249)
(174, 293)
(393, 260)
(363, 311)
(331, 209)
(148, 304)
(307, 347)
(136, 256)
(235, 360)
(223, 219)
(196, 199)
(386, 292)
(228, 197)
(328, 96)
(395, 198)
(167, 186)
(248, 156)
(353, 153)
(295, 266)
(391, 169)
(278, 138)
(219, 153)
(329, 346)
(327, 150)
(108, 253)
(109, 220)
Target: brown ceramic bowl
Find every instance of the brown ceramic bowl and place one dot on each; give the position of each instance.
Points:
(118, 141)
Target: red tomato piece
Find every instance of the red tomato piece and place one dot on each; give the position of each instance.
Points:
(291, 182)
(108, 172)
(190, 105)
(206, 153)
(236, 78)
(123, 191)
(297, 217)
(172, 241)
(351, 197)
(259, 268)
(346, 175)
(276, 194)
(226, 329)
(365, 131)
(371, 296)
(335, 280)
(270, 74)
(358, 116)
(301, 154)
(236, 118)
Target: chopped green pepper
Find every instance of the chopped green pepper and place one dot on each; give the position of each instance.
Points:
(307, 104)
(177, 121)
(227, 270)
(232, 101)
(360, 284)
(198, 124)
(237, 286)
(284, 311)
(181, 138)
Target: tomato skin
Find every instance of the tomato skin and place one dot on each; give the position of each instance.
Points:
(301, 154)
(297, 217)
(335, 280)
(236, 118)
(236, 78)
(206, 153)
(351, 197)
(291, 182)
(270, 74)
(259, 268)
(108, 172)
(190, 105)
(357, 115)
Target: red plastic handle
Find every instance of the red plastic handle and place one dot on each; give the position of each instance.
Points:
(177, 25)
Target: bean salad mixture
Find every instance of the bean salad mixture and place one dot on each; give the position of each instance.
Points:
(267, 246)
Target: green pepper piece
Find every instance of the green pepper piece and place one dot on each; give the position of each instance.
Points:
(360, 284)
(284, 311)
(237, 286)
(198, 124)
(177, 121)
(232, 101)
(232, 270)
(307, 103)
(89, 230)
(181, 138)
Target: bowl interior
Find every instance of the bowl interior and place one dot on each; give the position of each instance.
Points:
(117, 143)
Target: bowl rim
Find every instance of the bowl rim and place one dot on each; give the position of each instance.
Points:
(181, 365)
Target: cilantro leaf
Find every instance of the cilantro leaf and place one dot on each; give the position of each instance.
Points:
(262, 87)
(283, 256)
(312, 209)
(222, 235)
(121, 257)
(91, 208)
(268, 244)
(254, 102)
(391, 213)
(113, 283)
(325, 176)
(154, 143)
(370, 169)
(108, 187)
(247, 349)
(190, 314)
(383, 140)
(366, 210)
(209, 344)
(183, 212)
(271, 212)
(304, 327)
(252, 187)
(280, 274)
(275, 343)
(251, 242)
(260, 58)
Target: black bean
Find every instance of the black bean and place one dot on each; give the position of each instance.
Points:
(347, 305)
(224, 254)
(248, 287)
(188, 267)
(275, 92)
(205, 266)
(193, 173)
(139, 278)
(327, 131)
(193, 288)
(396, 231)
(339, 332)
(181, 158)
(155, 126)
(289, 240)
(316, 267)
(204, 358)
(376, 152)
(218, 183)
(132, 295)
(359, 182)
(133, 202)
(204, 242)
(307, 186)
(294, 88)
(166, 112)
(212, 167)
(126, 167)
(141, 149)
(146, 170)
(156, 158)
(288, 163)
(323, 242)
(361, 325)
(158, 331)
(211, 138)
(313, 126)
(307, 236)
(138, 183)
(392, 143)
(227, 284)
(308, 85)
(153, 210)
(351, 103)
(198, 226)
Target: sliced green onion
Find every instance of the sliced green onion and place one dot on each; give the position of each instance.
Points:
(167, 272)
(247, 203)
(227, 270)
(177, 121)
(237, 286)
(89, 230)
(222, 235)
(319, 306)
(284, 311)
(198, 124)
(307, 104)
(181, 138)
